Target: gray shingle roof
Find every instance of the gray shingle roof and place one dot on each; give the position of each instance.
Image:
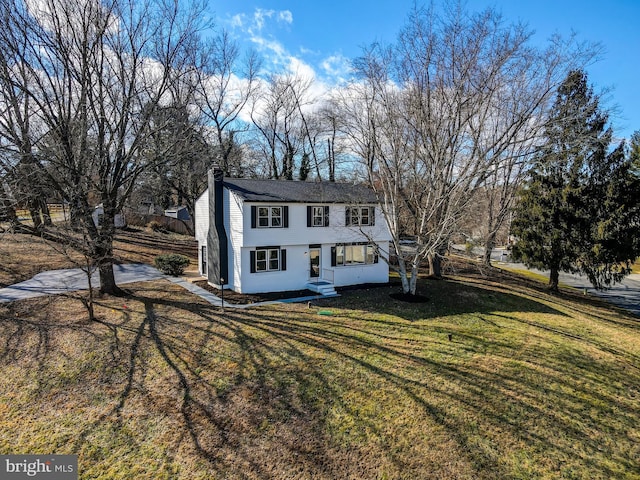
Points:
(299, 192)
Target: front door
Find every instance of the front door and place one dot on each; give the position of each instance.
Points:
(314, 261)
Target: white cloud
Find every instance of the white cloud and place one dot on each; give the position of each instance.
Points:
(270, 45)
(238, 21)
(336, 66)
(260, 28)
(285, 16)
(260, 16)
(300, 68)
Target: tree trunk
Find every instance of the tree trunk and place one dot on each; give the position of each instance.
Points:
(103, 252)
(34, 211)
(553, 279)
(89, 301)
(435, 265)
(107, 278)
(7, 208)
(46, 214)
(413, 284)
(488, 248)
(404, 278)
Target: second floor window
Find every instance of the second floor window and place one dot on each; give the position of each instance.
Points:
(269, 216)
(317, 215)
(359, 216)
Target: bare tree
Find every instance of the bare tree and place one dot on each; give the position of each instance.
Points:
(436, 116)
(21, 170)
(95, 72)
(179, 158)
(510, 130)
(226, 83)
(283, 129)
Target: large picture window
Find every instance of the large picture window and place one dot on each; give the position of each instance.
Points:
(268, 259)
(353, 254)
(359, 216)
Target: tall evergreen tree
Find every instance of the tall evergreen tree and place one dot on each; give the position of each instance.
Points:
(576, 213)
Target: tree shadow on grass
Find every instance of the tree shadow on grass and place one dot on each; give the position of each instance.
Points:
(283, 405)
(279, 391)
(445, 298)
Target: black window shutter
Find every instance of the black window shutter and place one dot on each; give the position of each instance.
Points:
(309, 211)
(326, 215)
(285, 214)
(333, 256)
(252, 259)
(372, 216)
(253, 216)
(283, 260)
(347, 216)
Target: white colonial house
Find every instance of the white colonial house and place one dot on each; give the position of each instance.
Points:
(258, 236)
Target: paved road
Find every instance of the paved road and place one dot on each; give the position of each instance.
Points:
(625, 294)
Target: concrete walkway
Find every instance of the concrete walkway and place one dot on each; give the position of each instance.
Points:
(56, 282)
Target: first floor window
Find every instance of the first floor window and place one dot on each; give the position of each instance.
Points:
(353, 254)
(268, 259)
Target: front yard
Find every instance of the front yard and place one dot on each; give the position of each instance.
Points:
(167, 386)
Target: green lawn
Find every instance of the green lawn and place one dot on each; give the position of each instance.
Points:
(165, 386)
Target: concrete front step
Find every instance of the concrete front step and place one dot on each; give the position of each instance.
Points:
(322, 287)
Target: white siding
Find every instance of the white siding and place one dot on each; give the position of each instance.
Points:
(295, 277)
(355, 274)
(299, 234)
(234, 227)
(296, 240)
(202, 225)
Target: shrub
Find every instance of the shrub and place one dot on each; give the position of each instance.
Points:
(156, 226)
(171, 264)
(469, 246)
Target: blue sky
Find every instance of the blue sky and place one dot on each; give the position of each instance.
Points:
(322, 36)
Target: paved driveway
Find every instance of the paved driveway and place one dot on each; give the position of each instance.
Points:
(55, 282)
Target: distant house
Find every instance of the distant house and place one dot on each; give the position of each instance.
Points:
(119, 220)
(272, 235)
(181, 213)
(148, 207)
